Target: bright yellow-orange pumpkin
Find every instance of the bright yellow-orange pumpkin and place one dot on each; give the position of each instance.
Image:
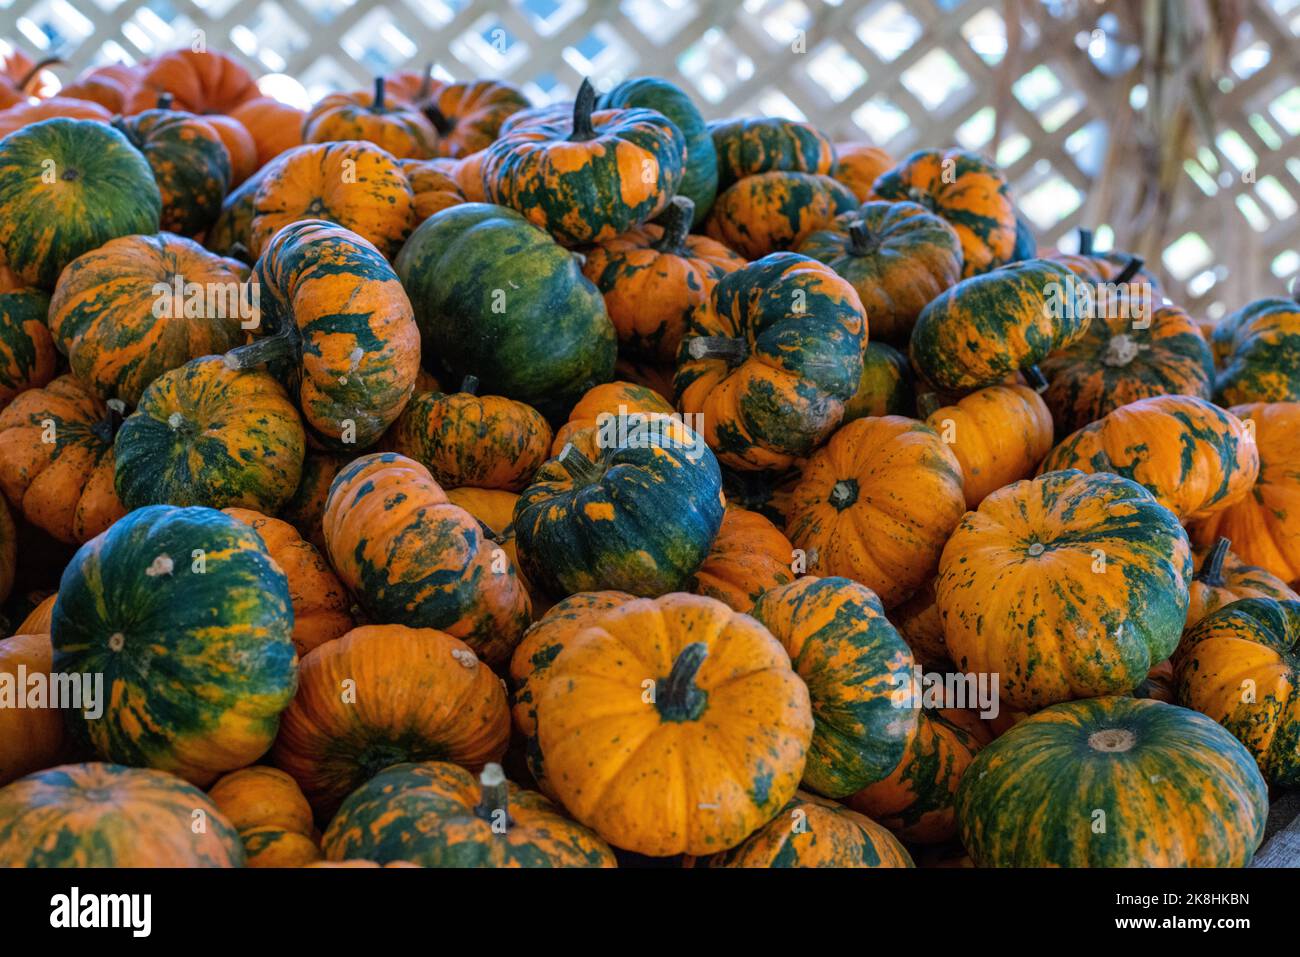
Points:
(749, 556)
(857, 166)
(31, 738)
(1222, 578)
(601, 405)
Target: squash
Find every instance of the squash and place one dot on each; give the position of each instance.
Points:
(770, 359)
(859, 165)
(199, 81)
(619, 759)
(1222, 578)
(876, 505)
(1195, 458)
(276, 847)
(968, 191)
(106, 815)
(749, 557)
(37, 621)
(1068, 585)
(383, 694)
(390, 122)
(1239, 666)
(898, 257)
(102, 188)
(918, 621)
(776, 211)
(56, 459)
(23, 115)
(31, 736)
(753, 145)
(1113, 782)
(139, 306)
(1115, 267)
(239, 144)
(232, 233)
(28, 359)
(463, 438)
(590, 179)
(410, 556)
(1259, 346)
(166, 601)
(591, 419)
(487, 287)
(854, 664)
(20, 75)
(653, 276)
(274, 125)
(305, 509)
(110, 85)
(885, 387)
(436, 814)
(190, 165)
(261, 796)
(435, 189)
(467, 116)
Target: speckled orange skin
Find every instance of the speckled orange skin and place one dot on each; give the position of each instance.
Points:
(391, 123)
(1222, 578)
(749, 556)
(858, 165)
(611, 398)
(434, 185)
(30, 738)
(776, 211)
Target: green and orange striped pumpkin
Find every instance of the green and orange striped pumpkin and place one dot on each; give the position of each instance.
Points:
(776, 211)
(390, 122)
(28, 358)
(1259, 346)
(764, 144)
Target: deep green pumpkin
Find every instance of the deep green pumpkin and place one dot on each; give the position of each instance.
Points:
(1026, 245)
(190, 165)
(67, 187)
(1260, 345)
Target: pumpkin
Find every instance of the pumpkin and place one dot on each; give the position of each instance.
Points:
(190, 165)
(1026, 246)
(876, 505)
(106, 815)
(206, 434)
(652, 375)
(859, 165)
(28, 358)
(463, 438)
(276, 847)
(1120, 360)
(1068, 585)
(770, 359)
(306, 507)
(1238, 666)
(354, 184)
(383, 694)
(1158, 685)
(813, 832)
(238, 143)
(918, 621)
(897, 256)
(1222, 578)
(1115, 267)
(274, 126)
(487, 287)
(24, 115)
(726, 706)
(1195, 458)
(31, 735)
(468, 174)
(776, 211)
(199, 81)
(885, 387)
(139, 306)
(434, 188)
(854, 663)
(339, 332)
(410, 556)
(998, 434)
(700, 179)
(968, 191)
(591, 179)
(1169, 786)
(390, 122)
(988, 327)
(166, 601)
(109, 85)
(63, 486)
(37, 621)
(436, 814)
(103, 188)
(598, 411)
(495, 508)
(753, 145)
(768, 493)
(749, 557)
(232, 233)
(19, 75)
(467, 116)
(1259, 346)
(261, 796)
(641, 518)
(653, 276)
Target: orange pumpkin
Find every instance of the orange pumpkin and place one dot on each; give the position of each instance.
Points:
(205, 81)
(25, 114)
(31, 738)
(274, 126)
(467, 116)
(19, 76)
(749, 557)
(305, 510)
(775, 211)
(239, 144)
(600, 405)
(270, 813)
(110, 86)
(435, 187)
(37, 621)
(389, 122)
(858, 165)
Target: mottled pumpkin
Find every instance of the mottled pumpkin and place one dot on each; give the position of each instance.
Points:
(885, 387)
(239, 144)
(726, 706)
(468, 116)
(305, 509)
(1114, 266)
(261, 796)
(274, 125)
(770, 212)
(495, 508)
(270, 846)
(166, 601)
(859, 165)
(750, 556)
(190, 165)
(390, 122)
(31, 737)
(102, 188)
(28, 358)
(1113, 782)
(763, 144)
(876, 505)
(1068, 585)
(200, 81)
(232, 233)
(435, 189)
(1222, 578)
(598, 410)
(1260, 349)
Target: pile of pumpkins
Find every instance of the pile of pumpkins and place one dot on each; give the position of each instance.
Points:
(437, 479)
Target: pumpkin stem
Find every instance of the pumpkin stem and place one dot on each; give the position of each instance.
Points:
(271, 348)
(583, 105)
(718, 347)
(35, 71)
(469, 384)
(426, 83)
(1120, 351)
(678, 697)
(843, 494)
(927, 404)
(165, 100)
(1085, 242)
(676, 220)
(1211, 572)
(106, 428)
(377, 104)
(438, 119)
(861, 241)
(580, 468)
(1131, 269)
(1034, 376)
(494, 804)
(241, 252)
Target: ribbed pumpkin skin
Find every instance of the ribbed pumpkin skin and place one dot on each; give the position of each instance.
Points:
(103, 189)
(105, 313)
(918, 621)
(1115, 363)
(429, 813)
(1222, 578)
(139, 605)
(854, 664)
(969, 192)
(749, 557)
(599, 407)
(390, 122)
(201, 81)
(274, 126)
(1175, 788)
(986, 328)
(898, 256)
(1240, 666)
(885, 387)
(876, 505)
(28, 358)
(434, 188)
(727, 707)
(468, 115)
(22, 115)
(1068, 585)
(801, 331)
(1260, 349)
(1195, 458)
(66, 486)
(232, 233)
(749, 146)
(206, 434)
(416, 694)
(776, 211)
(30, 738)
(305, 509)
(859, 165)
(347, 342)
(410, 556)
(639, 519)
(261, 796)
(107, 815)
(487, 286)
(813, 832)
(190, 165)
(998, 434)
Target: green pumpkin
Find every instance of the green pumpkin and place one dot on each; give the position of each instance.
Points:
(752, 145)
(1026, 246)
(67, 187)
(190, 164)
(1260, 349)
(1113, 782)
(700, 181)
(28, 357)
(640, 519)
(188, 618)
(885, 387)
(496, 297)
